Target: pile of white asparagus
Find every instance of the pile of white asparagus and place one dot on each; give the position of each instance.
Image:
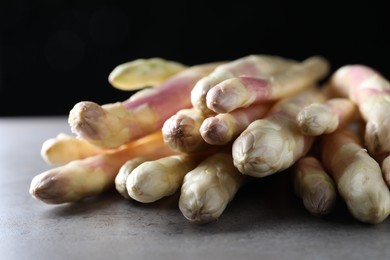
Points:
(205, 130)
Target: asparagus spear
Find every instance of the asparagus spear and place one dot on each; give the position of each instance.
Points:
(357, 175)
(274, 143)
(324, 118)
(314, 186)
(155, 179)
(251, 65)
(112, 125)
(209, 187)
(91, 176)
(141, 73)
(242, 91)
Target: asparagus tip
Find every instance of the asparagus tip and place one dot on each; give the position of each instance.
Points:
(84, 119)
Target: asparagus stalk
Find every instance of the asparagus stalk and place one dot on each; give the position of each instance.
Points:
(65, 148)
(209, 187)
(112, 125)
(224, 128)
(251, 65)
(124, 172)
(314, 186)
(141, 73)
(371, 93)
(181, 131)
(155, 179)
(91, 176)
(357, 175)
(324, 118)
(274, 143)
(242, 91)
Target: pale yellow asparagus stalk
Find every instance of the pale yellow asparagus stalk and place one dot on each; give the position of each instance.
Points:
(224, 128)
(123, 174)
(65, 148)
(181, 131)
(274, 143)
(251, 65)
(208, 188)
(155, 179)
(314, 186)
(324, 118)
(245, 90)
(357, 175)
(93, 175)
(142, 73)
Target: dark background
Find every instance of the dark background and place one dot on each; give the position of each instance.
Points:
(54, 54)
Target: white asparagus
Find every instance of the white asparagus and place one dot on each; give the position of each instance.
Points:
(153, 180)
(123, 174)
(357, 175)
(324, 118)
(314, 186)
(274, 143)
(207, 189)
(251, 65)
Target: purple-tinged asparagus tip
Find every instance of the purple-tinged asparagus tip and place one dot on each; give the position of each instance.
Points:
(85, 120)
(214, 131)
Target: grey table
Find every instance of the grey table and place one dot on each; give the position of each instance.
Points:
(264, 221)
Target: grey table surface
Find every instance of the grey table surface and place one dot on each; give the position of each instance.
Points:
(264, 221)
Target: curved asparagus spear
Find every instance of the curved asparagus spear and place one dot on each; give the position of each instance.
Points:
(274, 143)
(242, 91)
(141, 73)
(91, 176)
(251, 65)
(314, 186)
(324, 118)
(112, 125)
(208, 188)
(357, 175)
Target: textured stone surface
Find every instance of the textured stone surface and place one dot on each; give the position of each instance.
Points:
(264, 221)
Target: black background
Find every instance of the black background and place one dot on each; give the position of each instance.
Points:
(55, 53)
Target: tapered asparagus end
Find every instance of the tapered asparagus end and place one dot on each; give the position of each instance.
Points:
(181, 133)
(236, 93)
(85, 120)
(47, 188)
(215, 131)
(377, 136)
(200, 206)
(148, 183)
(320, 198)
(105, 126)
(260, 153)
(317, 119)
